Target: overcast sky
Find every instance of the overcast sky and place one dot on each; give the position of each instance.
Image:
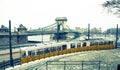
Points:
(40, 13)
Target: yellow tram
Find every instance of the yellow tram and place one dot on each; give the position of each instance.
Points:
(44, 50)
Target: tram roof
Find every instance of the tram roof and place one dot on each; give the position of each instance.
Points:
(97, 40)
(43, 45)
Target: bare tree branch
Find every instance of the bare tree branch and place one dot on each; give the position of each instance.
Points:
(113, 6)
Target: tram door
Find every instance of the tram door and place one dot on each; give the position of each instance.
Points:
(64, 49)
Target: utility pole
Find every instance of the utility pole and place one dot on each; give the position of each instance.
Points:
(116, 37)
(88, 31)
(10, 45)
(42, 35)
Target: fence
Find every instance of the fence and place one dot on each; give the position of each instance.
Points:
(6, 64)
(73, 65)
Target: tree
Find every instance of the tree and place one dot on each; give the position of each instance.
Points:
(112, 31)
(113, 6)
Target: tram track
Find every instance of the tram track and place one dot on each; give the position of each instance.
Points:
(8, 53)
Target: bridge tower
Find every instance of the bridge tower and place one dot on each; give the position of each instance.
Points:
(61, 32)
(61, 21)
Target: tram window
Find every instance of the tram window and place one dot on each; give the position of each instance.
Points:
(23, 54)
(91, 44)
(101, 43)
(64, 47)
(84, 44)
(53, 49)
(78, 45)
(39, 52)
(58, 48)
(96, 43)
(72, 45)
(31, 53)
(110, 42)
(46, 50)
(105, 42)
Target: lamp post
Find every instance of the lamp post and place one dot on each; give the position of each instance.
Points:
(10, 45)
(88, 31)
(116, 37)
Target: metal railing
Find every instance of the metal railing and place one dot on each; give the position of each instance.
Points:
(73, 65)
(6, 64)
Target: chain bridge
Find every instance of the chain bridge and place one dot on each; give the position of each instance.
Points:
(59, 29)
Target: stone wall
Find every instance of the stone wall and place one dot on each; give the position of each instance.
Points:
(22, 39)
(16, 39)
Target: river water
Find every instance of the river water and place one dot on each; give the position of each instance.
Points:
(82, 37)
(39, 38)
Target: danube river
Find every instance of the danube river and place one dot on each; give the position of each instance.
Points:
(47, 38)
(39, 38)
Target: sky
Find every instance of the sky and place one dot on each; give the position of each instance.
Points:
(40, 13)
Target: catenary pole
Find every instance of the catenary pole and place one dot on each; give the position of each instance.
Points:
(10, 45)
(116, 37)
(88, 31)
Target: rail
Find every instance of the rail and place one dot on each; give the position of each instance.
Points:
(16, 46)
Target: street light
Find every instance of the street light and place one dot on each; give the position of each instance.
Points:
(10, 45)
